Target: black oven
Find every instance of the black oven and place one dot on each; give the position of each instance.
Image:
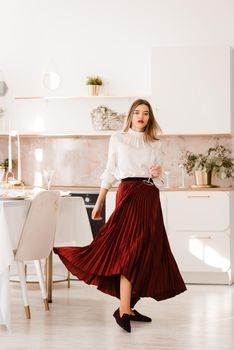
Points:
(90, 200)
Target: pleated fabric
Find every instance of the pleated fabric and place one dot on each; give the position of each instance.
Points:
(133, 243)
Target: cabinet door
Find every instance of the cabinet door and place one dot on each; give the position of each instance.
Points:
(201, 251)
(163, 200)
(198, 211)
(110, 203)
(191, 89)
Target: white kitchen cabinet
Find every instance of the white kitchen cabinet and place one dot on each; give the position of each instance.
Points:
(191, 89)
(201, 251)
(201, 211)
(110, 203)
(200, 232)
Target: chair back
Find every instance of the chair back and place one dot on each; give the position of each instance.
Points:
(37, 238)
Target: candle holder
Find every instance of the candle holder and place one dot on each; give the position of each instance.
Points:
(17, 182)
(11, 181)
(9, 175)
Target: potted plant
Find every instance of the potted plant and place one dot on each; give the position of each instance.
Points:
(94, 82)
(216, 160)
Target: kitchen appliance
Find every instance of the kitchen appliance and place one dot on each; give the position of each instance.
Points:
(90, 199)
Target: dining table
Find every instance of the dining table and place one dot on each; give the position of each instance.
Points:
(72, 229)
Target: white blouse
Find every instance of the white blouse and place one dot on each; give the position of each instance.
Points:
(130, 156)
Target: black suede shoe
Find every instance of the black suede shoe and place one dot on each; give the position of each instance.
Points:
(139, 317)
(124, 321)
(134, 300)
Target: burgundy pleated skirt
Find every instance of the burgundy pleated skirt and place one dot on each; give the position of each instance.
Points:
(133, 243)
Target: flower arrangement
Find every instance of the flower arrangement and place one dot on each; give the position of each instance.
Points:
(104, 118)
(217, 160)
(94, 80)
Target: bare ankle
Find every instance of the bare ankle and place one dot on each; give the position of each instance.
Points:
(125, 310)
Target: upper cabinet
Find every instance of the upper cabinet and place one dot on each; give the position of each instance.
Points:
(191, 89)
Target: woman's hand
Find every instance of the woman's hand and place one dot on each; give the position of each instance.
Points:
(155, 170)
(96, 213)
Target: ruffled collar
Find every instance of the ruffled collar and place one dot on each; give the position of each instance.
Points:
(136, 133)
(135, 138)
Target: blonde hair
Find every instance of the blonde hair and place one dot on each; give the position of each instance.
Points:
(152, 128)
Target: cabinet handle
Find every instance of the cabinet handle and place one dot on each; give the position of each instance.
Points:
(199, 196)
(200, 237)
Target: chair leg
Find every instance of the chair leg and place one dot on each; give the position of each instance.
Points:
(41, 282)
(49, 276)
(21, 272)
(25, 271)
(68, 279)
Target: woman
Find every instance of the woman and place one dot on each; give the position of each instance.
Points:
(130, 256)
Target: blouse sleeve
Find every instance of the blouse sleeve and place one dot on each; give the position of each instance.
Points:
(108, 177)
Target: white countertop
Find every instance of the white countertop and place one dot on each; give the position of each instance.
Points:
(171, 189)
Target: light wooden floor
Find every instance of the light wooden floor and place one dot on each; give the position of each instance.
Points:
(81, 318)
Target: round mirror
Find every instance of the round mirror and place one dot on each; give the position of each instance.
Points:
(3, 88)
(52, 80)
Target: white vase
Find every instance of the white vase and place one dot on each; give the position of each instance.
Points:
(93, 90)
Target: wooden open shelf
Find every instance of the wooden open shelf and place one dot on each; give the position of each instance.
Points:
(34, 98)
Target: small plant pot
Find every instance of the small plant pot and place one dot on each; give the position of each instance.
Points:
(202, 178)
(93, 90)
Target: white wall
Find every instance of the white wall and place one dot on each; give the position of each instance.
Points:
(107, 37)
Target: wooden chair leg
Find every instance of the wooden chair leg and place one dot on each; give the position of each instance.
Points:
(25, 271)
(68, 279)
(49, 276)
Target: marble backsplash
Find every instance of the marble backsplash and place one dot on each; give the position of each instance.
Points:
(79, 161)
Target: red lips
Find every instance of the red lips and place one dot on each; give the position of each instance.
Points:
(140, 121)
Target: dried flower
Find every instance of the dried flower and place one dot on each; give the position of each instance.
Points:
(104, 118)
